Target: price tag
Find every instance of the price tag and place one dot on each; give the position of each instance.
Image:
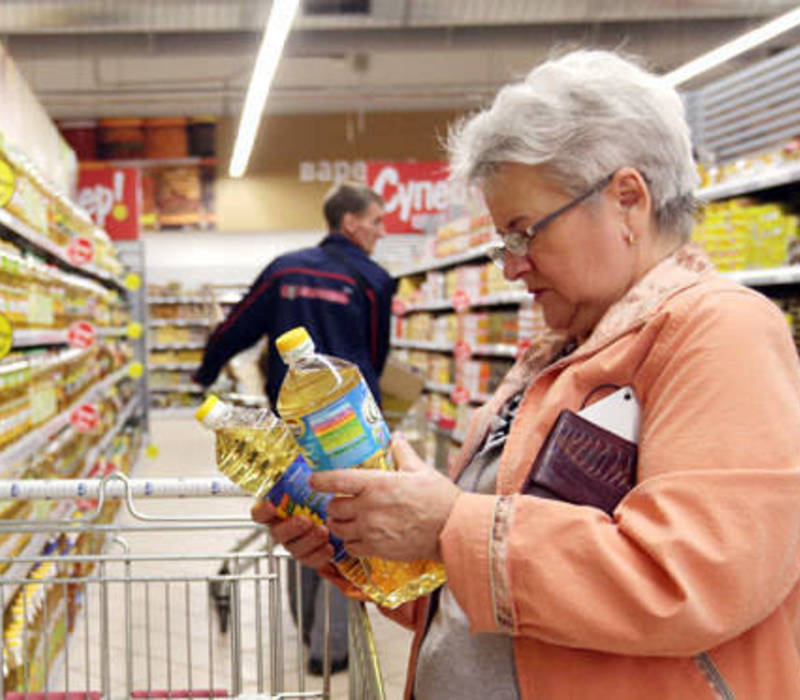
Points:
(522, 345)
(80, 251)
(81, 334)
(399, 307)
(85, 418)
(136, 370)
(460, 301)
(459, 395)
(462, 350)
(134, 330)
(132, 281)
(7, 183)
(6, 336)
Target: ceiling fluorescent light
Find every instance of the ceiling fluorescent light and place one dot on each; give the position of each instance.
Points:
(279, 23)
(733, 48)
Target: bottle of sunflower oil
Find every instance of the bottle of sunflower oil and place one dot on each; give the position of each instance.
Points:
(256, 450)
(332, 413)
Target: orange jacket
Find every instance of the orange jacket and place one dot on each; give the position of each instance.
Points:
(690, 591)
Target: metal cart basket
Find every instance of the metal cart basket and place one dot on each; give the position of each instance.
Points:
(89, 610)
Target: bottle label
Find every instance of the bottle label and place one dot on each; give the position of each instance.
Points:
(293, 495)
(345, 433)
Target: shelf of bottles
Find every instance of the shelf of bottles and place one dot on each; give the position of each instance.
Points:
(179, 323)
(68, 401)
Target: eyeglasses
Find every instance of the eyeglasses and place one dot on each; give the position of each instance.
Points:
(517, 242)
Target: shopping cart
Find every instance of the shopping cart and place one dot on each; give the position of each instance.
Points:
(91, 616)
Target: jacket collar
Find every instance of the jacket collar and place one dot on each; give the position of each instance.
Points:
(339, 239)
(679, 271)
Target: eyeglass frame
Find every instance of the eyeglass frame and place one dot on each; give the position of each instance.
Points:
(520, 240)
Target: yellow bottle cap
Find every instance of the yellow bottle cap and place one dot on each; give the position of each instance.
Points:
(206, 407)
(292, 339)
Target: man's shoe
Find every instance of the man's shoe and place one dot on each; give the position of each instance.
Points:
(315, 667)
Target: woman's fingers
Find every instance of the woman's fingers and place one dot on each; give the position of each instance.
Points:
(342, 509)
(404, 456)
(304, 540)
(264, 512)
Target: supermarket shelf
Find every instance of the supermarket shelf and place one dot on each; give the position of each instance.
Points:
(495, 350)
(782, 175)
(187, 299)
(229, 298)
(483, 349)
(20, 569)
(788, 274)
(440, 388)
(448, 389)
(29, 337)
(62, 357)
(422, 345)
(182, 388)
(174, 367)
(448, 261)
(500, 299)
(39, 437)
(122, 418)
(161, 322)
(149, 162)
(177, 346)
(45, 245)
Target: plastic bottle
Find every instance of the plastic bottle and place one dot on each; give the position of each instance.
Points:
(256, 450)
(332, 413)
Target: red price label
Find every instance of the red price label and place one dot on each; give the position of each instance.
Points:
(459, 395)
(462, 350)
(460, 301)
(522, 345)
(399, 307)
(81, 335)
(80, 251)
(85, 418)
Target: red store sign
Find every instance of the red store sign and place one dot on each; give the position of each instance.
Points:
(417, 195)
(112, 196)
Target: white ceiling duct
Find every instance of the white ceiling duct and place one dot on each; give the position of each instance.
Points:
(177, 16)
(161, 57)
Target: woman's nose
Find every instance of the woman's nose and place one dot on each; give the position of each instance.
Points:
(515, 265)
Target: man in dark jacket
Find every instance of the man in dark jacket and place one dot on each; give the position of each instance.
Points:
(343, 299)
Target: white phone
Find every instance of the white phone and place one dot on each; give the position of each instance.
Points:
(619, 413)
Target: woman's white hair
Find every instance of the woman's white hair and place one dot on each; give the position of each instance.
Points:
(582, 116)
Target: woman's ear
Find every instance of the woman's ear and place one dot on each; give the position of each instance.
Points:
(633, 197)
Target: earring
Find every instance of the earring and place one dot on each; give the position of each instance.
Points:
(629, 239)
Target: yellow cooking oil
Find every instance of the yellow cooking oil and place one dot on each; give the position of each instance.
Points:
(335, 419)
(256, 450)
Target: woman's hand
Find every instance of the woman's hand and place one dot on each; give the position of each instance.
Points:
(303, 539)
(392, 515)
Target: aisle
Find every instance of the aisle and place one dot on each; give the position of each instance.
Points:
(186, 449)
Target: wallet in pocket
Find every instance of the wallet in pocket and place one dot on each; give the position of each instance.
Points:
(583, 463)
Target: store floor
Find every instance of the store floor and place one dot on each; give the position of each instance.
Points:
(180, 629)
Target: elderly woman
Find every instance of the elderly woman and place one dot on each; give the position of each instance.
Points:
(687, 586)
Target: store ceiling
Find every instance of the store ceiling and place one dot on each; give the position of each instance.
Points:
(88, 58)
